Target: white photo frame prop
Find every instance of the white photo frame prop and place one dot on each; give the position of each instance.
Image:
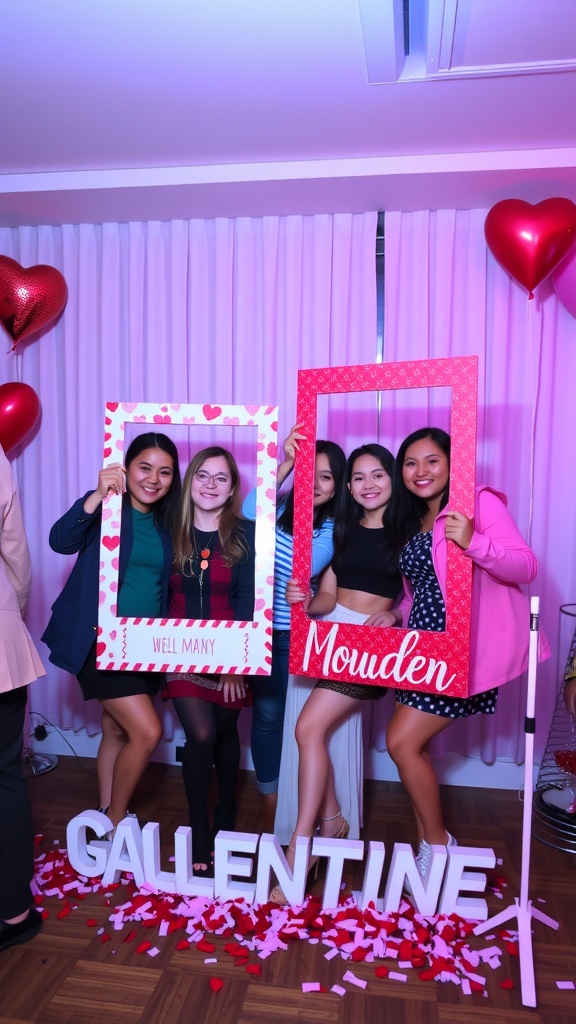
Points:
(189, 645)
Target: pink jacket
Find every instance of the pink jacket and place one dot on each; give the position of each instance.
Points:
(500, 620)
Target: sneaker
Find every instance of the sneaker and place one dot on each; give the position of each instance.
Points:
(423, 859)
(424, 855)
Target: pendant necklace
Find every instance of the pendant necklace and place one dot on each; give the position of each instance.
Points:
(202, 561)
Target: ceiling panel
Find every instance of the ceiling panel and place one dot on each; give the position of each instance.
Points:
(509, 32)
(283, 93)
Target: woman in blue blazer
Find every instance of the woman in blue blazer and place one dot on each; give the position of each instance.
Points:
(150, 483)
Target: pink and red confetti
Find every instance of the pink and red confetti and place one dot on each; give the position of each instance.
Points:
(436, 947)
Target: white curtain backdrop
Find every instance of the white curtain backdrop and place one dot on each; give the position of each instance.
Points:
(188, 311)
(229, 310)
(446, 296)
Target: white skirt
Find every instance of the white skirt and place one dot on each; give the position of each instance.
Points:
(345, 747)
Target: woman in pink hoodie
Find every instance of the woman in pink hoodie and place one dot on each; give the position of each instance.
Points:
(423, 525)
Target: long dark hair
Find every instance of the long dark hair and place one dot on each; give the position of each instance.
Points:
(406, 510)
(229, 532)
(349, 511)
(164, 510)
(327, 510)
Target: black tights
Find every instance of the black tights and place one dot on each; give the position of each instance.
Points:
(211, 739)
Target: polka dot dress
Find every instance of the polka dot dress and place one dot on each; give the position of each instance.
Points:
(429, 612)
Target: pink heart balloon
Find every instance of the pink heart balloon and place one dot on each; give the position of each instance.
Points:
(564, 281)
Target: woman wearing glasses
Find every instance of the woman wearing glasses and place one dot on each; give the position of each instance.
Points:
(213, 578)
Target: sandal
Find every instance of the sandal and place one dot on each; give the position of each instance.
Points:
(202, 856)
(341, 833)
(276, 894)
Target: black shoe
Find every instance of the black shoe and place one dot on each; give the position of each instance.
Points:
(23, 931)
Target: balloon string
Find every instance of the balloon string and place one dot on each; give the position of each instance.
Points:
(18, 361)
(536, 383)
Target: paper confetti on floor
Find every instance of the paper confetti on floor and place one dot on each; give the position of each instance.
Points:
(435, 947)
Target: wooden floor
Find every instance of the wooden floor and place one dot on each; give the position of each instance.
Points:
(67, 974)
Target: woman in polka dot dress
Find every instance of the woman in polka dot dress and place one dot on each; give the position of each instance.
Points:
(421, 525)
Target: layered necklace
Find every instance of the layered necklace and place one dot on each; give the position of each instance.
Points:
(199, 561)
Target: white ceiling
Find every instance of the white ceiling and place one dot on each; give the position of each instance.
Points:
(139, 110)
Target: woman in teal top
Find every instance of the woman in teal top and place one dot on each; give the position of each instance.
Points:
(150, 483)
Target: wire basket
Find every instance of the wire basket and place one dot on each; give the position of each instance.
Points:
(554, 816)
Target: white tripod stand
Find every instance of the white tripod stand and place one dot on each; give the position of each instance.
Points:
(522, 908)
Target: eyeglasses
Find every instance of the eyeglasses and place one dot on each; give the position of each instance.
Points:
(217, 479)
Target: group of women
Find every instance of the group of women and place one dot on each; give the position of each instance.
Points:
(381, 530)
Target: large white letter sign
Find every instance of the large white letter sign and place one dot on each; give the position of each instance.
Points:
(138, 852)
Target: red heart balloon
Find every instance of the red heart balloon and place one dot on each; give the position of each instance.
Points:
(529, 241)
(29, 299)
(564, 281)
(19, 412)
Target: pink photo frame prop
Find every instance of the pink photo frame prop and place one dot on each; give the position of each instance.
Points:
(407, 659)
(189, 645)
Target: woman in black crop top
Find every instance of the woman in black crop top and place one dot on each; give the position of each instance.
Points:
(360, 586)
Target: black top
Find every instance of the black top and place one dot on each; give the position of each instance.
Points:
(361, 566)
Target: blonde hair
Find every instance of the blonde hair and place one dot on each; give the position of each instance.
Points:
(232, 542)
